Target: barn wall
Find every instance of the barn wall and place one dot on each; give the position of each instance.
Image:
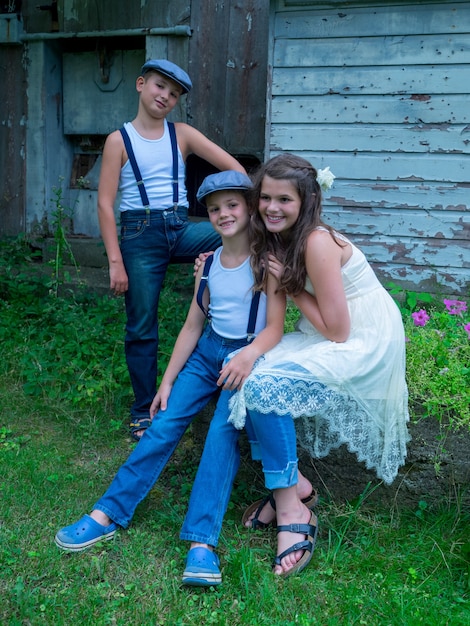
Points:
(380, 94)
(59, 109)
(12, 139)
(228, 60)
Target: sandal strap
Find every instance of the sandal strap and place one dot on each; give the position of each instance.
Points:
(141, 423)
(302, 545)
(301, 529)
(257, 524)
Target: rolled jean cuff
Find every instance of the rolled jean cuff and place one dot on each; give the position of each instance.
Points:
(282, 479)
(112, 516)
(195, 538)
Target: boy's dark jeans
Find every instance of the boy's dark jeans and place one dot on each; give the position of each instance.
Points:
(150, 240)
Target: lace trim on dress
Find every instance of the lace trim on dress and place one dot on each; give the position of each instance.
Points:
(324, 419)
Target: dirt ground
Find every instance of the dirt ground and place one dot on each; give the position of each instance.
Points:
(437, 468)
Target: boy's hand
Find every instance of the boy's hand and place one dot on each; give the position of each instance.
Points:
(160, 401)
(233, 375)
(201, 259)
(118, 281)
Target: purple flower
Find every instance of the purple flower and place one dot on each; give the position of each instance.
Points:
(455, 307)
(420, 318)
(467, 329)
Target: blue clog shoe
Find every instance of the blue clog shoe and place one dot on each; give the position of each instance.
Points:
(83, 534)
(202, 568)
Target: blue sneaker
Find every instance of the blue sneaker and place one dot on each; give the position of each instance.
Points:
(202, 568)
(83, 534)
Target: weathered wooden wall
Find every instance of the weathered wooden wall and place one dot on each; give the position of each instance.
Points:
(60, 113)
(228, 61)
(377, 91)
(12, 113)
(228, 53)
(381, 95)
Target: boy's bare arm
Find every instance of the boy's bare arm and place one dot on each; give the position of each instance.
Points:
(192, 141)
(185, 343)
(233, 375)
(107, 190)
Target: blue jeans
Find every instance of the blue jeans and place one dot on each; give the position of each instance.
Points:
(276, 438)
(149, 242)
(193, 388)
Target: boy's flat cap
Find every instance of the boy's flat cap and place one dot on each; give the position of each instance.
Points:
(230, 179)
(167, 68)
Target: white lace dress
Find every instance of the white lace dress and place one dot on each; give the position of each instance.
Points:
(351, 393)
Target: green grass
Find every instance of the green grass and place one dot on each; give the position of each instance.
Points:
(371, 566)
(65, 398)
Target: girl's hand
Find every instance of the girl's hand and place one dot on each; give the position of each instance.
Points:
(275, 267)
(201, 259)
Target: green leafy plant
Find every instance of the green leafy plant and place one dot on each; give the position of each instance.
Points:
(407, 301)
(70, 346)
(8, 441)
(438, 360)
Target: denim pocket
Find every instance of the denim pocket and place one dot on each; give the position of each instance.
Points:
(132, 229)
(178, 222)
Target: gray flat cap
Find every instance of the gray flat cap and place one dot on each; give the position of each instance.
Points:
(230, 179)
(169, 69)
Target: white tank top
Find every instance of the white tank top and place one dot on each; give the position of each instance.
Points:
(155, 161)
(231, 292)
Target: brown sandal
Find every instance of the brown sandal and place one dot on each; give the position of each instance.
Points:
(308, 545)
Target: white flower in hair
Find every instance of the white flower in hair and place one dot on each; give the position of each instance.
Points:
(325, 178)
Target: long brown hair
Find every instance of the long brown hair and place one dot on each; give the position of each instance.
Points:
(291, 250)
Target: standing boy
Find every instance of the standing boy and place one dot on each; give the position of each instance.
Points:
(145, 161)
(240, 320)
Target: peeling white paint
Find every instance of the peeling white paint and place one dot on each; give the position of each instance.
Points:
(388, 111)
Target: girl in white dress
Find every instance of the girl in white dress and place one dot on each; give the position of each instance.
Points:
(340, 378)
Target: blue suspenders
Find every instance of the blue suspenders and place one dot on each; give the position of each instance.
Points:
(250, 330)
(203, 284)
(138, 175)
(145, 201)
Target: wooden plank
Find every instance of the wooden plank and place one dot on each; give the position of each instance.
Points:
(416, 267)
(421, 278)
(246, 77)
(441, 79)
(452, 225)
(229, 67)
(380, 94)
(207, 99)
(435, 253)
(391, 167)
(12, 142)
(414, 138)
(96, 15)
(428, 196)
(373, 21)
(431, 109)
(99, 107)
(359, 51)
